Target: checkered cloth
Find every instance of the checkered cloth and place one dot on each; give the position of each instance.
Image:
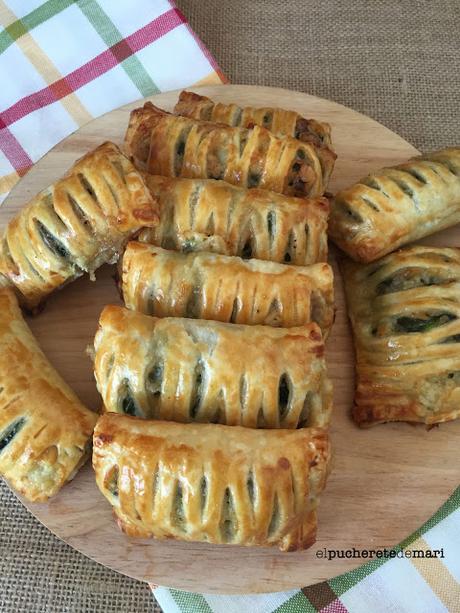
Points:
(63, 63)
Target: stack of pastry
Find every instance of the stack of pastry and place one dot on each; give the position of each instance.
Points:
(216, 399)
(221, 346)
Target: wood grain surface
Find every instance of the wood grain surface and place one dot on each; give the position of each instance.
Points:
(385, 482)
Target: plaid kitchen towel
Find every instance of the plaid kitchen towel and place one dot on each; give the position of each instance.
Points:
(421, 576)
(65, 62)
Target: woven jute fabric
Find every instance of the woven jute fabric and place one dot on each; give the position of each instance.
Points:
(396, 61)
(39, 573)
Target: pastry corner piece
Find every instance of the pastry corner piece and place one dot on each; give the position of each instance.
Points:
(405, 316)
(212, 483)
(45, 431)
(75, 225)
(397, 205)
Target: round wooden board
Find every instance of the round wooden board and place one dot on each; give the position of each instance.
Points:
(385, 482)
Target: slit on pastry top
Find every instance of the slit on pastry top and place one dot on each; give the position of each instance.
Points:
(397, 205)
(279, 121)
(212, 483)
(222, 288)
(188, 370)
(176, 146)
(45, 431)
(208, 215)
(405, 314)
(74, 226)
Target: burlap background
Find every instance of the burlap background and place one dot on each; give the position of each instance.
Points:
(396, 61)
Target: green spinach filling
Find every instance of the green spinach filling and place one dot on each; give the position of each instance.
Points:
(178, 507)
(410, 325)
(253, 179)
(271, 220)
(197, 389)
(53, 244)
(284, 393)
(154, 382)
(128, 406)
(11, 431)
(455, 338)
(229, 522)
(247, 250)
(408, 278)
(112, 484)
(127, 403)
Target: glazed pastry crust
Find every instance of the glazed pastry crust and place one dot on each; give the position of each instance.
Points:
(278, 121)
(45, 431)
(212, 483)
(187, 370)
(405, 315)
(207, 215)
(74, 226)
(397, 205)
(175, 146)
(222, 288)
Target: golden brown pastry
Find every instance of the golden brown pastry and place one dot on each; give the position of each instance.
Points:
(194, 370)
(405, 314)
(397, 205)
(74, 226)
(222, 288)
(174, 146)
(278, 121)
(212, 483)
(206, 215)
(45, 431)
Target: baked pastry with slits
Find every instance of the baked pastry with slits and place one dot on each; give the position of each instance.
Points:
(175, 146)
(45, 431)
(397, 205)
(189, 370)
(278, 121)
(206, 215)
(74, 226)
(405, 314)
(222, 288)
(212, 483)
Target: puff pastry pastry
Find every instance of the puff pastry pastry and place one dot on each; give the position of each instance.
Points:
(397, 205)
(194, 370)
(405, 314)
(175, 146)
(212, 483)
(222, 288)
(45, 431)
(206, 215)
(75, 225)
(279, 121)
